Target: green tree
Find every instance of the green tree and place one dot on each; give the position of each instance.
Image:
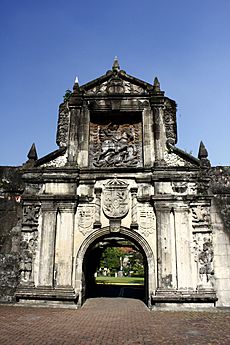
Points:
(111, 258)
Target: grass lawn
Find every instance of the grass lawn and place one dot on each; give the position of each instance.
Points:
(120, 280)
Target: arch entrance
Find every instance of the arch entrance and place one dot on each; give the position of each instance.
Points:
(96, 276)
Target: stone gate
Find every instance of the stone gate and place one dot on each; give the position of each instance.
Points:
(118, 173)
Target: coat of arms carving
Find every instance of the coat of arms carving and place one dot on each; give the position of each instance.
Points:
(115, 199)
(146, 219)
(86, 218)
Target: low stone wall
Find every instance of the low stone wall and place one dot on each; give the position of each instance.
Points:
(11, 188)
(9, 275)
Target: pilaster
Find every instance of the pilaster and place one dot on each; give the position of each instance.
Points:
(148, 138)
(183, 249)
(46, 265)
(97, 223)
(64, 245)
(165, 247)
(134, 223)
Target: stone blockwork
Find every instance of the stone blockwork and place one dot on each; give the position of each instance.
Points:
(11, 188)
(220, 187)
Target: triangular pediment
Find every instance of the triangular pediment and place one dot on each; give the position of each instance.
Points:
(116, 82)
(57, 158)
(176, 157)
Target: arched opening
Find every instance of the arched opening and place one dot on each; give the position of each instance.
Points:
(126, 281)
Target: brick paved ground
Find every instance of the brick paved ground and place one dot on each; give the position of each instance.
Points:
(107, 321)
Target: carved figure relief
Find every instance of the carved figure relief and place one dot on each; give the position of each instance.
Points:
(115, 199)
(115, 145)
(200, 215)
(28, 247)
(203, 256)
(146, 219)
(85, 218)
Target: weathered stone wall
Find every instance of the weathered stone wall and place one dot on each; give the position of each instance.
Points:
(11, 188)
(220, 213)
(220, 187)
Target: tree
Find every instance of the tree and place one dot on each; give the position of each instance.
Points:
(111, 258)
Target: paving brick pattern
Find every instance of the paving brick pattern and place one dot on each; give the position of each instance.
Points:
(109, 321)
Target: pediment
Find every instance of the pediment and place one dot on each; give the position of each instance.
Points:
(175, 157)
(56, 159)
(116, 83)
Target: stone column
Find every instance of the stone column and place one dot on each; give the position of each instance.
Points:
(183, 250)
(159, 134)
(64, 245)
(164, 248)
(134, 224)
(48, 229)
(73, 138)
(148, 138)
(97, 223)
(83, 137)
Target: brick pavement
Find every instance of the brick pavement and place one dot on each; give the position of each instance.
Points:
(107, 321)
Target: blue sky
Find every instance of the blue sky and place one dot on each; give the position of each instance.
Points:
(46, 44)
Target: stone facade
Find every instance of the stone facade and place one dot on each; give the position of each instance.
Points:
(118, 174)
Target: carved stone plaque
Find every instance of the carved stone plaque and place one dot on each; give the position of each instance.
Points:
(203, 256)
(146, 219)
(115, 144)
(200, 215)
(115, 199)
(31, 214)
(85, 218)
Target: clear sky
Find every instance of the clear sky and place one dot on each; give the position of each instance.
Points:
(45, 44)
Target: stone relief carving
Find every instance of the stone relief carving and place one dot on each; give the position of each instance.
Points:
(63, 125)
(115, 145)
(173, 159)
(31, 214)
(184, 187)
(170, 122)
(116, 85)
(28, 242)
(146, 217)
(85, 218)
(57, 162)
(28, 247)
(200, 215)
(192, 188)
(203, 256)
(115, 199)
(179, 187)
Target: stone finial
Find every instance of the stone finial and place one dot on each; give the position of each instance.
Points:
(116, 66)
(32, 155)
(203, 153)
(156, 84)
(76, 86)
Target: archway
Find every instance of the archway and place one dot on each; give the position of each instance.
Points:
(88, 258)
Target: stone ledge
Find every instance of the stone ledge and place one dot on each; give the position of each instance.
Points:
(184, 297)
(46, 293)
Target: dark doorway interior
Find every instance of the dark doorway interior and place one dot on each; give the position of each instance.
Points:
(114, 266)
